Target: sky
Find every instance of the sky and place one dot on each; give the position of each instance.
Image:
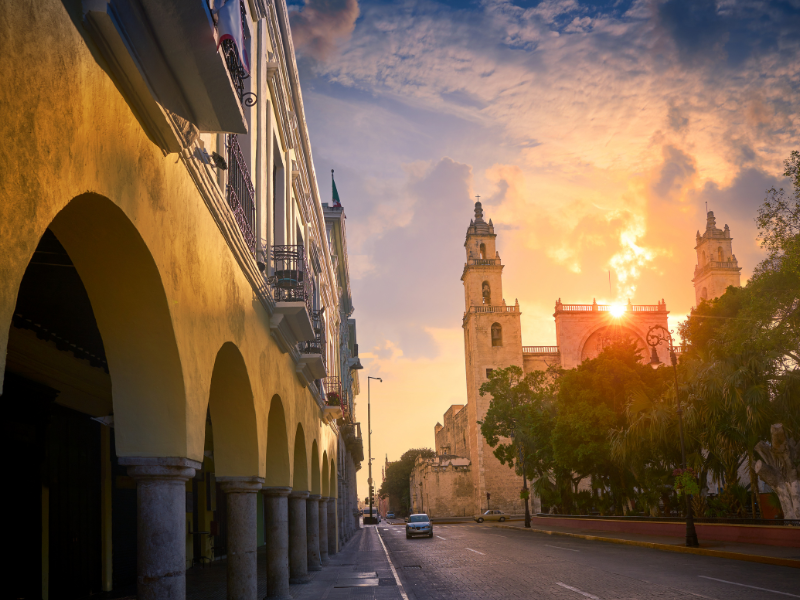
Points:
(595, 132)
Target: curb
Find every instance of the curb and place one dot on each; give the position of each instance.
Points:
(767, 560)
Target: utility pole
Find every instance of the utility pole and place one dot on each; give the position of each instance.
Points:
(372, 520)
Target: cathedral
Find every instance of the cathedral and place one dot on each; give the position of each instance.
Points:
(465, 477)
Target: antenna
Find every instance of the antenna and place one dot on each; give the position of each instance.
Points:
(706, 207)
(610, 293)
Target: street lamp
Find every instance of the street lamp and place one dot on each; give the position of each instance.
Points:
(656, 335)
(369, 447)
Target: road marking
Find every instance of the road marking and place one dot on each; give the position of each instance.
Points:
(394, 572)
(752, 587)
(560, 548)
(576, 590)
(475, 551)
(441, 538)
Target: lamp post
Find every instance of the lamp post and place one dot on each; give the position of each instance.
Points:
(656, 335)
(369, 447)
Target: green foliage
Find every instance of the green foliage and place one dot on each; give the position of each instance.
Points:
(686, 482)
(395, 486)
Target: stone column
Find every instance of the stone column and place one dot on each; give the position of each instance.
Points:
(161, 528)
(323, 529)
(298, 538)
(312, 533)
(276, 521)
(242, 535)
(332, 537)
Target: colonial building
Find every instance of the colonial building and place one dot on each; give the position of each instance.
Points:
(717, 267)
(493, 340)
(177, 348)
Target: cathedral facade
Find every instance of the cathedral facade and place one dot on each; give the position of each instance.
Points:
(493, 340)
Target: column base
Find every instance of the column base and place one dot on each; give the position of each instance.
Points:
(300, 580)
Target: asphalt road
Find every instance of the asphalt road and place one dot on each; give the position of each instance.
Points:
(465, 562)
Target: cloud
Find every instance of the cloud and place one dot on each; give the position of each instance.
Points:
(320, 25)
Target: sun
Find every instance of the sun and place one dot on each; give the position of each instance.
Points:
(617, 310)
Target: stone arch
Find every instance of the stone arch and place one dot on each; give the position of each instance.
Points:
(277, 468)
(333, 488)
(316, 487)
(482, 250)
(486, 293)
(592, 343)
(129, 303)
(325, 479)
(497, 334)
(233, 416)
(300, 469)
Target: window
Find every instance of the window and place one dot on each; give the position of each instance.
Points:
(489, 373)
(497, 335)
(704, 257)
(719, 254)
(483, 250)
(486, 293)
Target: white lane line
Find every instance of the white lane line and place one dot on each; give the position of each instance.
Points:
(560, 548)
(576, 590)
(441, 538)
(752, 587)
(475, 551)
(394, 572)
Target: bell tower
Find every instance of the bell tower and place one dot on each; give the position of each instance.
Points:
(717, 267)
(492, 340)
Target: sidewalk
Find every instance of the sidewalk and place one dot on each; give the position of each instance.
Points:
(360, 569)
(774, 555)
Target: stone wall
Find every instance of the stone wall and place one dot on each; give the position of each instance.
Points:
(446, 489)
(452, 437)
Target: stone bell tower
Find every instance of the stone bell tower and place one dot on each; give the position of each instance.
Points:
(492, 340)
(717, 267)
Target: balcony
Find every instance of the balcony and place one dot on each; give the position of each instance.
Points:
(289, 287)
(163, 56)
(240, 193)
(312, 353)
(334, 399)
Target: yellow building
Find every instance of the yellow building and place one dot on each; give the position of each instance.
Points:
(174, 376)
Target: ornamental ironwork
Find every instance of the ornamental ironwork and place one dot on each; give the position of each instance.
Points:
(240, 193)
(288, 280)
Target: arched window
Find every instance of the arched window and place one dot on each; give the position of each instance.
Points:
(704, 294)
(486, 293)
(719, 254)
(704, 257)
(483, 250)
(497, 335)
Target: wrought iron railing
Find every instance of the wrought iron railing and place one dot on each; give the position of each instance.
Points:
(288, 279)
(333, 392)
(240, 192)
(317, 345)
(234, 63)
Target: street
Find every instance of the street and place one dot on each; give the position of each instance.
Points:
(467, 561)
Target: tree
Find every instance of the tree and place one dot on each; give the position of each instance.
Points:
(518, 425)
(592, 401)
(395, 486)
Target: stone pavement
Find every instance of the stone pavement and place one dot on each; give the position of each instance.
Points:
(360, 570)
(480, 562)
(748, 549)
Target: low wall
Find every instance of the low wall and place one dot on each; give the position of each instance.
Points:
(746, 534)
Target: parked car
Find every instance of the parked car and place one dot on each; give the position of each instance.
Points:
(491, 515)
(419, 524)
(390, 515)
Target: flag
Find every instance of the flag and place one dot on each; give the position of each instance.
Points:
(336, 201)
(229, 25)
